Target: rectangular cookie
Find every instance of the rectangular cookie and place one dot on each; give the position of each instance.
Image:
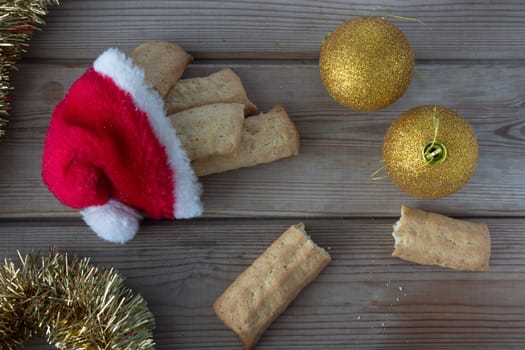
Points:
(163, 63)
(434, 239)
(209, 130)
(266, 137)
(265, 289)
(222, 86)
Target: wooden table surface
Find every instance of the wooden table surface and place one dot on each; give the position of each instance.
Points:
(470, 57)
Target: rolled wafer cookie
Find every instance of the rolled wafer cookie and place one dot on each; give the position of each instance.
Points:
(209, 130)
(434, 239)
(265, 289)
(266, 137)
(222, 86)
(163, 63)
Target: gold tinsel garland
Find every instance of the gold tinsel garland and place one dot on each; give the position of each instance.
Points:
(72, 304)
(18, 20)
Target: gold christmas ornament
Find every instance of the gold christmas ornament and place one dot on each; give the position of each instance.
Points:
(72, 304)
(366, 63)
(430, 152)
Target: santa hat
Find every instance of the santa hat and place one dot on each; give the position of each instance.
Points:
(112, 152)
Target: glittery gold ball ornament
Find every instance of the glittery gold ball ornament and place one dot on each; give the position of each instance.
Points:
(430, 152)
(366, 63)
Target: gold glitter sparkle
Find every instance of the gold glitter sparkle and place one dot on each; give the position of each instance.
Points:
(366, 63)
(407, 137)
(72, 304)
(18, 20)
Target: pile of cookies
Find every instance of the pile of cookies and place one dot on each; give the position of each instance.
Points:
(212, 114)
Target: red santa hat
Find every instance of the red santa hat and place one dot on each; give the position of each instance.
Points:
(112, 152)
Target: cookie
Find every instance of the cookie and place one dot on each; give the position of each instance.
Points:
(266, 288)
(209, 130)
(222, 86)
(163, 63)
(266, 137)
(433, 239)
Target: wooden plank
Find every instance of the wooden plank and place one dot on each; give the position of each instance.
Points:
(365, 298)
(340, 148)
(80, 29)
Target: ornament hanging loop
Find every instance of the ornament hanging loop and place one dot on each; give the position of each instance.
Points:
(388, 13)
(434, 152)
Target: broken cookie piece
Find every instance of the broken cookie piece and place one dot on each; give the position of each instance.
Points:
(433, 239)
(265, 289)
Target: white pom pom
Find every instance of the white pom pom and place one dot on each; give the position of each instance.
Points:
(114, 222)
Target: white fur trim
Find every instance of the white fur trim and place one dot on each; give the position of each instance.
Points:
(113, 221)
(130, 78)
